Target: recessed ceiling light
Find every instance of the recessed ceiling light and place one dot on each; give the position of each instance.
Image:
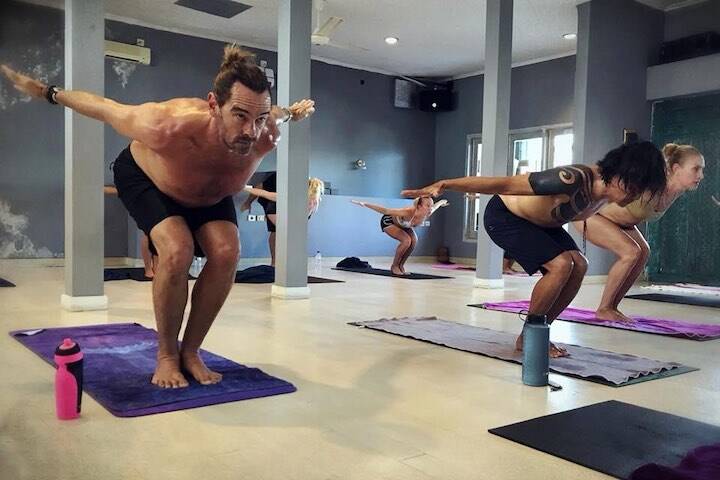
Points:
(570, 36)
(391, 40)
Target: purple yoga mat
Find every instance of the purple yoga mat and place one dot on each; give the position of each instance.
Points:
(119, 363)
(703, 463)
(659, 326)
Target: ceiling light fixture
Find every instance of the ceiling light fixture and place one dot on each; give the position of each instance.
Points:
(391, 40)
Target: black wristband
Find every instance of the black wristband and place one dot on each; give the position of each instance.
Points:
(50, 94)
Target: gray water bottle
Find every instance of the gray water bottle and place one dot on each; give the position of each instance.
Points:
(536, 351)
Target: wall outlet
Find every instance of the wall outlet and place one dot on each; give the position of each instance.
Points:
(261, 218)
(251, 218)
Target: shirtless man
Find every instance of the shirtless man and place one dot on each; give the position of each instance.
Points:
(526, 213)
(187, 158)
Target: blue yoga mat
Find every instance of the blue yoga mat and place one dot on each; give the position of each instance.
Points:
(119, 363)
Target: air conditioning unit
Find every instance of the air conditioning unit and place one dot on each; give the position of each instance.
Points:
(129, 53)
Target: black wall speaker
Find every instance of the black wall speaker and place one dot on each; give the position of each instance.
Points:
(440, 100)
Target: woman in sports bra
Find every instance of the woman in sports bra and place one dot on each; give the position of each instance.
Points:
(615, 228)
(399, 223)
(267, 198)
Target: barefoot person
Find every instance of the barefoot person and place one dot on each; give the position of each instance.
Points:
(266, 193)
(188, 156)
(526, 213)
(615, 227)
(398, 223)
(147, 256)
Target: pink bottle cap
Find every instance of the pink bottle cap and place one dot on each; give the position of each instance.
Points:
(67, 344)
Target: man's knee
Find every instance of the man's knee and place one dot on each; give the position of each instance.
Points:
(580, 264)
(561, 265)
(175, 255)
(224, 253)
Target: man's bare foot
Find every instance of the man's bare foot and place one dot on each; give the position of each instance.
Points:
(149, 274)
(194, 364)
(613, 315)
(167, 373)
(555, 351)
(396, 270)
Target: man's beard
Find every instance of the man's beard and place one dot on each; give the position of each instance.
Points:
(241, 147)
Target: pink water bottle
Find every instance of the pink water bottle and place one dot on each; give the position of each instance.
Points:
(68, 380)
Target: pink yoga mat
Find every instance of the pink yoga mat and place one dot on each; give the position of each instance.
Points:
(659, 326)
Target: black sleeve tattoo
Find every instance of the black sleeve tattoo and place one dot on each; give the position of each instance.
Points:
(575, 181)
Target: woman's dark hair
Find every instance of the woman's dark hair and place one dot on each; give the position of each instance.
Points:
(639, 166)
(238, 65)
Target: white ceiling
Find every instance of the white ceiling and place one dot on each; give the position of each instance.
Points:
(437, 38)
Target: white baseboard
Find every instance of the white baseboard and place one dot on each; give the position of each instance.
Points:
(84, 303)
(489, 283)
(290, 293)
(60, 262)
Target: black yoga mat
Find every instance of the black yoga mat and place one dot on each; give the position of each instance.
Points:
(137, 274)
(5, 283)
(612, 437)
(388, 273)
(697, 300)
(266, 274)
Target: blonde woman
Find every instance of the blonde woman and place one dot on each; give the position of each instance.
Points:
(398, 223)
(615, 228)
(266, 193)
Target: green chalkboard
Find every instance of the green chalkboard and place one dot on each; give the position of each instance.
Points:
(685, 243)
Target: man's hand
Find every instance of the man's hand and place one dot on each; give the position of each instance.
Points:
(302, 109)
(358, 202)
(23, 83)
(433, 190)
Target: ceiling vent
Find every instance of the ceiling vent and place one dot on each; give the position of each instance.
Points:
(219, 8)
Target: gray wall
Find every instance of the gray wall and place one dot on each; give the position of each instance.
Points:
(617, 41)
(700, 18)
(31, 136)
(355, 119)
(542, 94)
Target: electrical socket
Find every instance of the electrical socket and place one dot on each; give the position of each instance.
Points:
(261, 218)
(251, 218)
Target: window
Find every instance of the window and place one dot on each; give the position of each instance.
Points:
(531, 150)
(472, 204)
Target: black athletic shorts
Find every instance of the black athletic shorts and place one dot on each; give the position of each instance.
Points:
(148, 206)
(528, 244)
(386, 221)
(270, 207)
